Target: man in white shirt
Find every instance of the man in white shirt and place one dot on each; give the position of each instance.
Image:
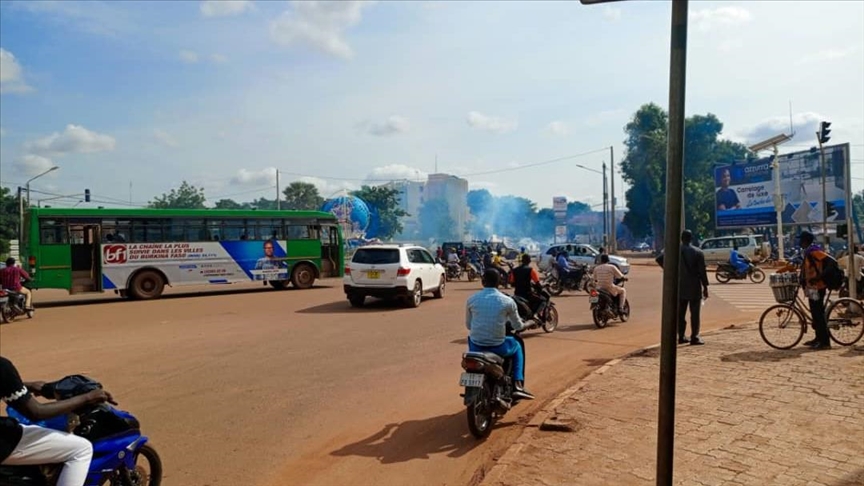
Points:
(857, 265)
(605, 275)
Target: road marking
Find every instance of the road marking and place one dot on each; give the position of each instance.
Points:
(746, 297)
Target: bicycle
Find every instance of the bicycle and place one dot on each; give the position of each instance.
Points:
(786, 322)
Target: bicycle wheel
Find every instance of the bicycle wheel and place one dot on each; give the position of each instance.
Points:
(782, 326)
(845, 321)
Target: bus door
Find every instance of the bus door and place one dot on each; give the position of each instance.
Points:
(329, 251)
(84, 238)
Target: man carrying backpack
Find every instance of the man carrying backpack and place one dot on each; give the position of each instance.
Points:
(814, 275)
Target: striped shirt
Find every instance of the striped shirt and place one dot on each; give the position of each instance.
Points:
(10, 278)
(606, 274)
(486, 317)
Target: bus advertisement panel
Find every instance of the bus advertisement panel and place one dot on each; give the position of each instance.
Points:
(198, 262)
(744, 192)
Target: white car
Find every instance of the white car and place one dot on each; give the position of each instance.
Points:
(404, 272)
(580, 254)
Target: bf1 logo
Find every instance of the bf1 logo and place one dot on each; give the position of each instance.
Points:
(114, 254)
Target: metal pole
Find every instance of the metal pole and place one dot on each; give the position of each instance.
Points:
(278, 198)
(605, 206)
(824, 198)
(20, 218)
(778, 204)
(674, 220)
(850, 234)
(614, 243)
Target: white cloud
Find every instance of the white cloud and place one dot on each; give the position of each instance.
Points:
(319, 24)
(31, 165)
(607, 116)
(74, 139)
(476, 185)
(225, 8)
(394, 124)
(612, 13)
(189, 57)
(261, 177)
(806, 123)
(218, 58)
(396, 172)
(710, 18)
(490, 123)
(327, 188)
(165, 138)
(826, 55)
(558, 128)
(11, 74)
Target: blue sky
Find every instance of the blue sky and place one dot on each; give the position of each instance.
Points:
(224, 93)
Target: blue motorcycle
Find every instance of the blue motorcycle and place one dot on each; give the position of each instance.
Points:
(121, 455)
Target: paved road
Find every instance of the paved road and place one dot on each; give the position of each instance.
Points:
(254, 386)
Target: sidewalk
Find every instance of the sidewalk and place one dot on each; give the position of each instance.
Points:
(747, 415)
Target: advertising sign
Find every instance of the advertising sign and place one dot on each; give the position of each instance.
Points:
(559, 206)
(561, 231)
(204, 262)
(744, 192)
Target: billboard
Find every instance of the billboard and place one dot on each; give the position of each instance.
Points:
(559, 206)
(744, 192)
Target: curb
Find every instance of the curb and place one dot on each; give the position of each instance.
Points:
(500, 467)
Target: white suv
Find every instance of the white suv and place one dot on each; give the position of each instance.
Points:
(581, 254)
(403, 272)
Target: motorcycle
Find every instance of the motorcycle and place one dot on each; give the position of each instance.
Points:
(118, 445)
(453, 271)
(489, 386)
(605, 307)
(12, 306)
(470, 270)
(580, 280)
(546, 315)
(726, 272)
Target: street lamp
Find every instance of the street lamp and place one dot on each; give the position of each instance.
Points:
(21, 202)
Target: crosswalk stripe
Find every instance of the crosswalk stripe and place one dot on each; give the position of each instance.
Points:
(744, 297)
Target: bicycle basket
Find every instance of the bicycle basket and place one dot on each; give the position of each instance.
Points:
(784, 286)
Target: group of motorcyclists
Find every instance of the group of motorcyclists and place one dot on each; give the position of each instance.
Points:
(478, 259)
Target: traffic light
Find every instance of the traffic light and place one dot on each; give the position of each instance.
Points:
(86, 195)
(824, 131)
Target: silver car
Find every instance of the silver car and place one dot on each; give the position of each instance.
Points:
(581, 254)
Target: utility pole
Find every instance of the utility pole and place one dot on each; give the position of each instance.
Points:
(778, 203)
(672, 258)
(613, 245)
(278, 199)
(822, 137)
(605, 207)
(20, 216)
(850, 234)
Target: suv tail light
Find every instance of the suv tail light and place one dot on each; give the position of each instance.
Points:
(347, 270)
(403, 272)
(472, 365)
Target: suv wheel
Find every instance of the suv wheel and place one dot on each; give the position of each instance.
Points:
(439, 292)
(357, 300)
(416, 296)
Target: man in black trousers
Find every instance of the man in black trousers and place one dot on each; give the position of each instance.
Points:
(692, 288)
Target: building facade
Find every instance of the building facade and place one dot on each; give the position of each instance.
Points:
(454, 190)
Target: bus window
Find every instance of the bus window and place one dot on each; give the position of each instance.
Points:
(175, 230)
(76, 233)
(297, 232)
(53, 232)
(214, 229)
(147, 231)
(233, 229)
(269, 229)
(195, 230)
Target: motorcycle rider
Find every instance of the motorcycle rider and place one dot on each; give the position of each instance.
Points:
(521, 278)
(452, 258)
(740, 265)
(565, 269)
(22, 445)
(10, 279)
(498, 264)
(598, 258)
(486, 316)
(605, 275)
(474, 258)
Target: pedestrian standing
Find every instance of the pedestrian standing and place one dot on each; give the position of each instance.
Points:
(692, 288)
(814, 287)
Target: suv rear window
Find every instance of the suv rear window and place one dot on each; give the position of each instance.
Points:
(381, 256)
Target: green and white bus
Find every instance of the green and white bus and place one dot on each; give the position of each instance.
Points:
(137, 252)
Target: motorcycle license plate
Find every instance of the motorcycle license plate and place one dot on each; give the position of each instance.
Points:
(593, 300)
(373, 274)
(472, 380)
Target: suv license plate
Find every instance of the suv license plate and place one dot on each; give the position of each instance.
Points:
(473, 380)
(373, 274)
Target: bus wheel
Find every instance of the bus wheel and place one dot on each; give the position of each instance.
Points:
(147, 285)
(303, 276)
(279, 284)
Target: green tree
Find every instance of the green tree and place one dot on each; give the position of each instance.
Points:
(858, 209)
(384, 203)
(644, 168)
(262, 203)
(230, 204)
(8, 219)
(186, 196)
(435, 221)
(302, 196)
